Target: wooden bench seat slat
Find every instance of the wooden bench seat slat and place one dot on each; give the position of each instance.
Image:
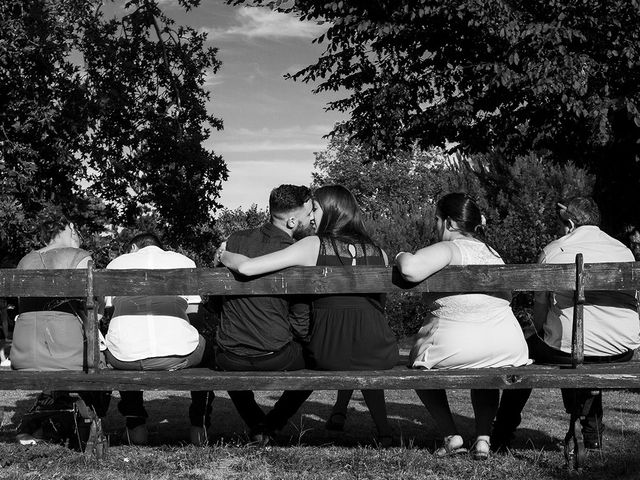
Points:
(625, 375)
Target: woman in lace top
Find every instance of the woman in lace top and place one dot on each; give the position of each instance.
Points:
(473, 330)
(349, 332)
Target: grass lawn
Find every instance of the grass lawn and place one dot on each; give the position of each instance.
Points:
(307, 451)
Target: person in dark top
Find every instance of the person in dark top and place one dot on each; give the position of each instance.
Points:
(349, 332)
(263, 333)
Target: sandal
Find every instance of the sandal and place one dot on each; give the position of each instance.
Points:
(481, 449)
(336, 422)
(453, 445)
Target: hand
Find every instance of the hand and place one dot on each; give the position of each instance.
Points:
(217, 257)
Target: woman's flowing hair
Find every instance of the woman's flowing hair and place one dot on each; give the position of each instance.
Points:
(341, 216)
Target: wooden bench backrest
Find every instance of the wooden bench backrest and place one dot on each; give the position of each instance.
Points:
(92, 284)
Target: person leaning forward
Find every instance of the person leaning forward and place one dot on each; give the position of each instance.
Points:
(155, 333)
(267, 332)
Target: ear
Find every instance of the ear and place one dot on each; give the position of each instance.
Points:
(447, 224)
(572, 226)
(291, 223)
(134, 248)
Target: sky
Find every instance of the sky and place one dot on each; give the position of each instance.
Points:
(272, 126)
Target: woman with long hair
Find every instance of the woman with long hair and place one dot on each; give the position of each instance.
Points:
(349, 332)
(474, 330)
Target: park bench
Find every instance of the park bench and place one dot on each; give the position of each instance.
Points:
(93, 284)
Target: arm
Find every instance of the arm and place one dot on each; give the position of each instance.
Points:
(302, 253)
(425, 262)
(299, 312)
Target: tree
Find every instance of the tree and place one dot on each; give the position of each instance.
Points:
(551, 78)
(103, 119)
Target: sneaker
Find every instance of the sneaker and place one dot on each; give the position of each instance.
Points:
(136, 436)
(198, 436)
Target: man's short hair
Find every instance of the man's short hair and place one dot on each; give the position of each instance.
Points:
(142, 240)
(285, 198)
(580, 210)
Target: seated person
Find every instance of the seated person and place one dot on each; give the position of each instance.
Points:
(611, 330)
(49, 332)
(473, 330)
(154, 333)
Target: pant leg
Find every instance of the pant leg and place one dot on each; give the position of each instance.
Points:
(131, 406)
(200, 408)
(289, 358)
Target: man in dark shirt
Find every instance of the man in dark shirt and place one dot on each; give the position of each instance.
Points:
(265, 333)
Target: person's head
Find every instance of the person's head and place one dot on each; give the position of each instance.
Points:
(457, 212)
(633, 240)
(337, 214)
(142, 240)
(291, 209)
(577, 212)
(57, 228)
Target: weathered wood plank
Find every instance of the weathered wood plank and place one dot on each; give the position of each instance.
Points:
(625, 375)
(316, 280)
(44, 283)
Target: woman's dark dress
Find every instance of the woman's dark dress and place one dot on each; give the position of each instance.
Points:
(351, 332)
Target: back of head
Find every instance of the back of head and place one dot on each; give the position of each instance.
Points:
(52, 226)
(341, 217)
(285, 198)
(142, 240)
(461, 208)
(580, 211)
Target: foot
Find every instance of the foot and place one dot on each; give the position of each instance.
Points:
(453, 445)
(26, 438)
(336, 421)
(481, 448)
(262, 439)
(136, 436)
(198, 436)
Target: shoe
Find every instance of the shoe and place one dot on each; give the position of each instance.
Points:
(25, 438)
(198, 436)
(453, 445)
(136, 436)
(593, 442)
(262, 439)
(481, 448)
(384, 441)
(336, 422)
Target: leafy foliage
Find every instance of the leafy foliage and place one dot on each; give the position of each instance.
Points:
(551, 78)
(103, 119)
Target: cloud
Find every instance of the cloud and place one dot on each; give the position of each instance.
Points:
(255, 22)
(285, 139)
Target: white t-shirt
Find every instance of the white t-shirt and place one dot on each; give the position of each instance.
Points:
(151, 326)
(611, 324)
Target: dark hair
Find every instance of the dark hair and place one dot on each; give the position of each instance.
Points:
(580, 210)
(285, 198)
(142, 240)
(461, 208)
(341, 217)
(52, 224)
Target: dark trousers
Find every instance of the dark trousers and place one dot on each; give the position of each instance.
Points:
(131, 404)
(289, 358)
(512, 402)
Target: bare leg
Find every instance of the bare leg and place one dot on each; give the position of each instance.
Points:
(378, 409)
(438, 406)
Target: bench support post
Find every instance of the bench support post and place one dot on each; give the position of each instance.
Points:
(577, 334)
(92, 351)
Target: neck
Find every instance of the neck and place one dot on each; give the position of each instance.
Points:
(282, 225)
